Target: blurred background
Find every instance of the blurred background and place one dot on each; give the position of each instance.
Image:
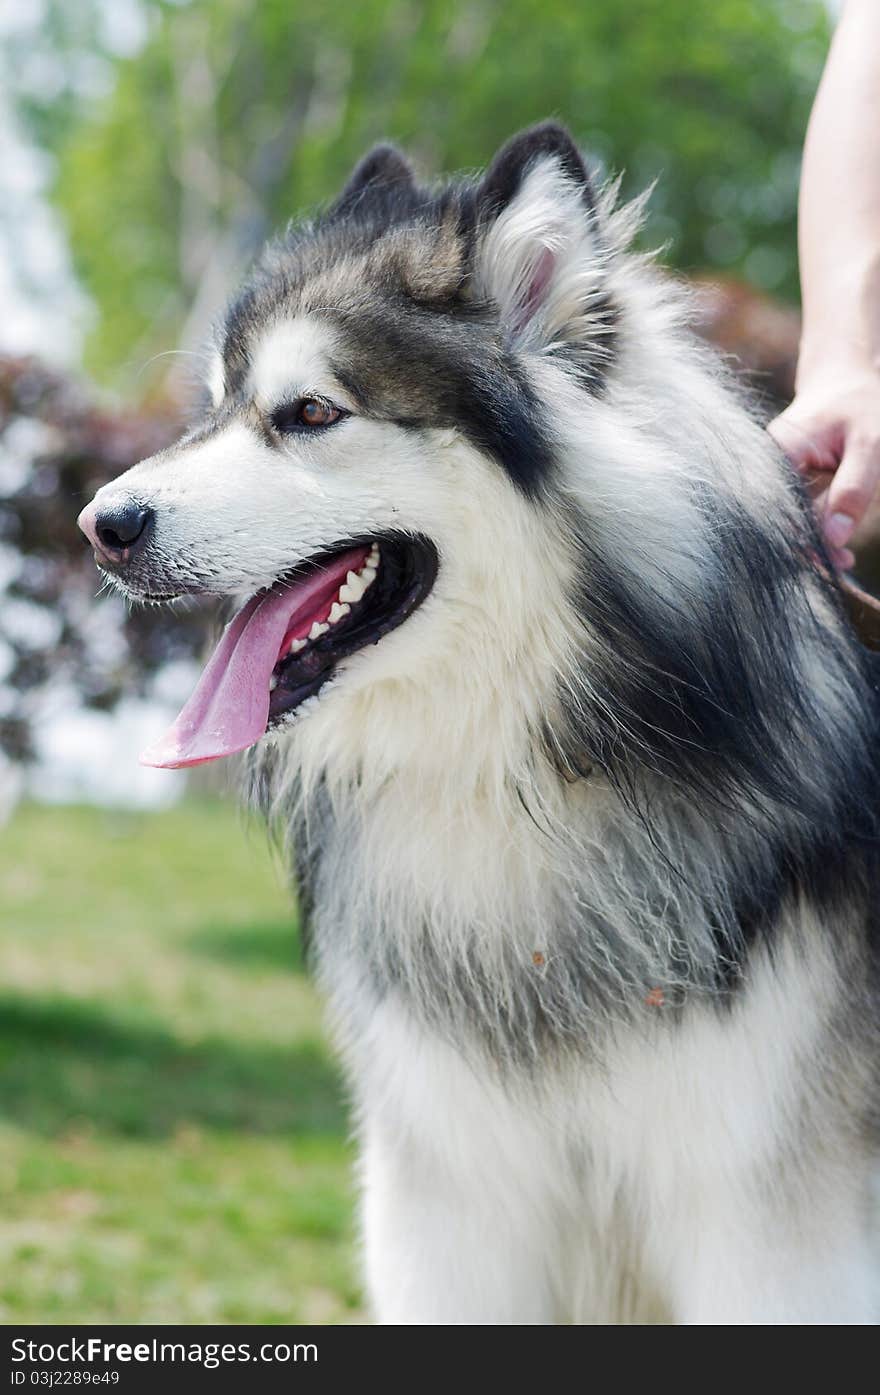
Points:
(172, 1135)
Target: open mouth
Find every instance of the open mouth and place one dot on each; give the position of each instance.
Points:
(285, 643)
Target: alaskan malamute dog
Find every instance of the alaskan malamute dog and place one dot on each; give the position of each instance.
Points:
(545, 677)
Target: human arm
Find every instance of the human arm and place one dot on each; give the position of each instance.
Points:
(833, 425)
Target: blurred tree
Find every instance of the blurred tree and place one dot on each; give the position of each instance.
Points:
(234, 115)
(57, 446)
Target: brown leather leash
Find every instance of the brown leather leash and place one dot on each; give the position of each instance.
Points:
(864, 612)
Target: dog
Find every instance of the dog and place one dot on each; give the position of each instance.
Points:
(543, 672)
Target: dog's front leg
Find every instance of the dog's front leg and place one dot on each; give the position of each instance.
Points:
(781, 1258)
(444, 1249)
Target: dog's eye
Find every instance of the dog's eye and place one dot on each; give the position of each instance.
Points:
(308, 414)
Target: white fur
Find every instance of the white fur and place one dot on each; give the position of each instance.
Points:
(541, 262)
(658, 1188)
(215, 378)
(291, 361)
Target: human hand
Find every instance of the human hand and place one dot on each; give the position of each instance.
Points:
(831, 434)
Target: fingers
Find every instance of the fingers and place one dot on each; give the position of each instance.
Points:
(832, 437)
(841, 558)
(815, 454)
(789, 439)
(808, 444)
(816, 485)
(852, 488)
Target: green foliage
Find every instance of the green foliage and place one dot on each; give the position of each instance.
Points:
(171, 1126)
(236, 116)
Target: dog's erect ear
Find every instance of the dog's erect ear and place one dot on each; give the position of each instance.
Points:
(547, 141)
(539, 252)
(384, 171)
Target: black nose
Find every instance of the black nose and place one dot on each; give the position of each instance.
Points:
(119, 529)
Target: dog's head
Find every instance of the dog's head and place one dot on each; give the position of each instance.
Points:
(378, 437)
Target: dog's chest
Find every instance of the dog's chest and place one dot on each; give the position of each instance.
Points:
(586, 1145)
(486, 930)
(471, 930)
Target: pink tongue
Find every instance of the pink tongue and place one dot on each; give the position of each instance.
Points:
(229, 709)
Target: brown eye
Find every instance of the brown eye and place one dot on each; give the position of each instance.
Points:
(316, 413)
(308, 414)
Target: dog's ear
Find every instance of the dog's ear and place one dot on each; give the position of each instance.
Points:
(539, 252)
(384, 171)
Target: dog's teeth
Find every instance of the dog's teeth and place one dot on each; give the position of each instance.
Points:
(273, 683)
(297, 644)
(373, 556)
(354, 587)
(317, 630)
(369, 575)
(337, 611)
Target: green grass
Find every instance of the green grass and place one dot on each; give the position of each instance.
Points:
(172, 1129)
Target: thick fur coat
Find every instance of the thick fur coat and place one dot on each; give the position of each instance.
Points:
(587, 844)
